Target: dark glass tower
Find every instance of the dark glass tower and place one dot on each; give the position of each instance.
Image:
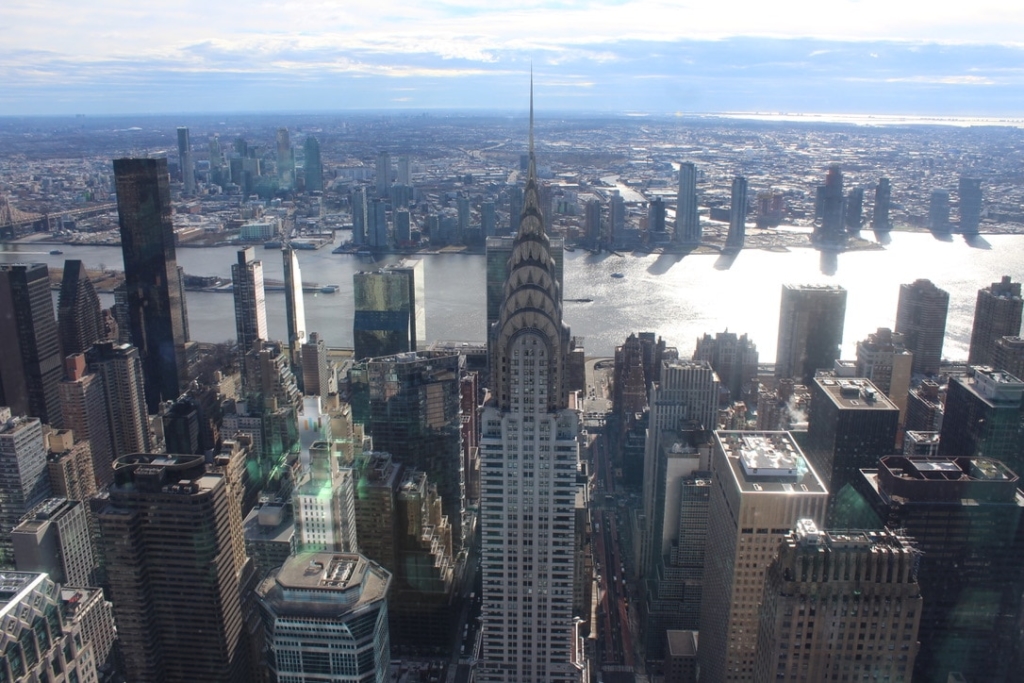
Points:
(155, 292)
(30, 356)
(79, 315)
(921, 319)
(313, 166)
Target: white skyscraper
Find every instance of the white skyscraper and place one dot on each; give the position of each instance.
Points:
(23, 480)
(529, 456)
(687, 220)
(295, 309)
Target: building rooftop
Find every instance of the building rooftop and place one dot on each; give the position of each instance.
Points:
(269, 523)
(768, 462)
(854, 393)
(938, 479)
(316, 583)
(682, 643)
(993, 386)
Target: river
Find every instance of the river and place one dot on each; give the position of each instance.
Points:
(680, 299)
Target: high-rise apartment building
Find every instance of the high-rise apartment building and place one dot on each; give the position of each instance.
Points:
(737, 214)
(383, 175)
(155, 291)
(315, 368)
(54, 538)
(921, 319)
(686, 397)
(885, 360)
(880, 213)
(488, 219)
(761, 487)
(810, 330)
(1008, 355)
(171, 538)
(830, 231)
(854, 210)
(734, 359)
(359, 217)
(250, 299)
(404, 170)
(23, 477)
(324, 504)
(285, 160)
(984, 417)
(389, 316)
(938, 212)
(325, 617)
(965, 516)
(997, 313)
(656, 218)
(528, 459)
(30, 355)
(848, 599)
(295, 309)
(688, 231)
(121, 372)
(186, 162)
(84, 403)
(79, 315)
(852, 424)
(970, 205)
(313, 165)
(69, 466)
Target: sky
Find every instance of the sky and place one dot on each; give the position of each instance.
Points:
(911, 57)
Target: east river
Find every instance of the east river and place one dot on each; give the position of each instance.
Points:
(680, 299)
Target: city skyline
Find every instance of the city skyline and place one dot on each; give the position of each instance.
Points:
(866, 57)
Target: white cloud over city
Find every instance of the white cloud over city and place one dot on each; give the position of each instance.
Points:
(630, 54)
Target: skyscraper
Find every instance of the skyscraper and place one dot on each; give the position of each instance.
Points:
(488, 219)
(404, 171)
(852, 424)
(737, 214)
(761, 487)
(996, 314)
(120, 369)
(687, 221)
(313, 165)
(499, 249)
(359, 215)
(250, 299)
(156, 293)
(30, 355)
(54, 538)
(79, 316)
(970, 205)
(880, 212)
(294, 306)
(938, 212)
(811, 578)
(389, 315)
(325, 617)
(921, 319)
(285, 160)
(528, 459)
(186, 162)
(411, 405)
(171, 537)
(656, 218)
(592, 222)
(1008, 355)
(686, 394)
(23, 480)
(810, 329)
(884, 359)
(383, 175)
(84, 404)
(966, 517)
(854, 209)
(315, 370)
(984, 417)
(830, 231)
(734, 359)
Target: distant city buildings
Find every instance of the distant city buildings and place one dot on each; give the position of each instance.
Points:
(737, 214)
(688, 231)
